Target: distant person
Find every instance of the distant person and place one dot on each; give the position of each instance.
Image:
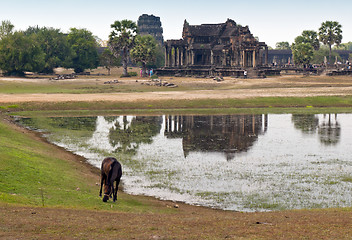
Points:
(151, 72)
(141, 72)
(245, 73)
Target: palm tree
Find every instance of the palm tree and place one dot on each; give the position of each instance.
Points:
(122, 39)
(330, 33)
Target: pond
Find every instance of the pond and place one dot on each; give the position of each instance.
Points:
(232, 162)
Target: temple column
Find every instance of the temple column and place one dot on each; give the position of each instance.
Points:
(254, 62)
(177, 57)
(224, 59)
(166, 56)
(169, 56)
(260, 57)
(192, 57)
(172, 59)
(182, 56)
(266, 56)
(176, 53)
(243, 59)
(186, 57)
(211, 57)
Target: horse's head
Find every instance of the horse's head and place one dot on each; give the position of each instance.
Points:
(107, 192)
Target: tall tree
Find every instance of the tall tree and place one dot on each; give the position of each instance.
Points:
(311, 37)
(84, 47)
(121, 39)
(20, 53)
(308, 36)
(55, 46)
(6, 28)
(144, 51)
(330, 33)
(108, 60)
(302, 52)
(282, 45)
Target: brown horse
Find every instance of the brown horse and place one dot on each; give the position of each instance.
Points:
(111, 171)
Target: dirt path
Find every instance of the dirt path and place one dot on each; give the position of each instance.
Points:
(285, 86)
(187, 223)
(179, 95)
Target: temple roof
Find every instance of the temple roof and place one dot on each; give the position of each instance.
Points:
(204, 30)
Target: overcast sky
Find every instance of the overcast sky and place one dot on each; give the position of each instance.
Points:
(272, 20)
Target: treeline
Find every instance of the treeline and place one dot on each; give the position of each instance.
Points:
(317, 46)
(41, 50)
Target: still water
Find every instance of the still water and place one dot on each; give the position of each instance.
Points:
(233, 162)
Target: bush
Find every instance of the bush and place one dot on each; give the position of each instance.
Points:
(154, 76)
(130, 74)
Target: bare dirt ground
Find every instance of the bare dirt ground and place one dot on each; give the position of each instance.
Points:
(188, 222)
(283, 86)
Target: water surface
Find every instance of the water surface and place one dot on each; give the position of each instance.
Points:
(234, 162)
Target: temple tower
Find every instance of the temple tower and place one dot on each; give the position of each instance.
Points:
(151, 25)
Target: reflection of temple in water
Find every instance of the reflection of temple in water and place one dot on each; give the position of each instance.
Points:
(228, 134)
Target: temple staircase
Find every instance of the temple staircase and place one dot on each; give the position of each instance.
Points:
(252, 73)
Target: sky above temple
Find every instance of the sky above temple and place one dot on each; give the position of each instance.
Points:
(272, 20)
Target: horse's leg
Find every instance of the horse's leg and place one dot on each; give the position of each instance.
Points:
(117, 187)
(113, 190)
(101, 185)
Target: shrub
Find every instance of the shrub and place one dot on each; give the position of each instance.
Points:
(130, 74)
(154, 76)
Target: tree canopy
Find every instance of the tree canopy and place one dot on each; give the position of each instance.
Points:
(6, 28)
(108, 60)
(302, 52)
(121, 40)
(144, 50)
(310, 36)
(344, 46)
(282, 46)
(320, 55)
(20, 53)
(84, 48)
(55, 46)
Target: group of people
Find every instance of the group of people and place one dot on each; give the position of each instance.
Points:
(147, 72)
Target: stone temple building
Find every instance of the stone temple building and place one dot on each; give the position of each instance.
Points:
(151, 25)
(225, 49)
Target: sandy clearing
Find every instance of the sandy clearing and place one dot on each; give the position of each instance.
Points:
(179, 95)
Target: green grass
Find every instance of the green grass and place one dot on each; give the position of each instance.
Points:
(78, 87)
(201, 106)
(31, 175)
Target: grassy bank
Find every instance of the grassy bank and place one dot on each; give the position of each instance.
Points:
(35, 173)
(200, 106)
(46, 192)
